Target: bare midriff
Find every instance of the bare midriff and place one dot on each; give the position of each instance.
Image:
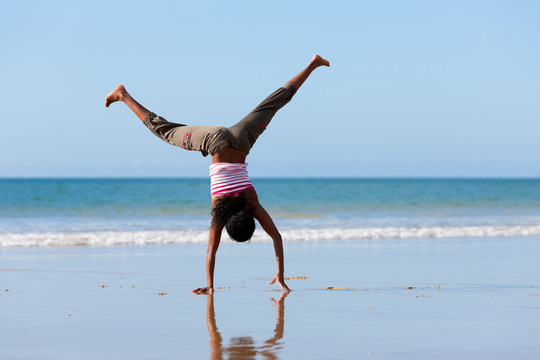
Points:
(229, 155)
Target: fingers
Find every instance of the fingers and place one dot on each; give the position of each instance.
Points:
(281, 283)
(285, 288)
(205, 290)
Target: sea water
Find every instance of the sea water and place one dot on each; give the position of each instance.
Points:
(100, 212)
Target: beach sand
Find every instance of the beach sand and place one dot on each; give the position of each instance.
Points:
(380, 299)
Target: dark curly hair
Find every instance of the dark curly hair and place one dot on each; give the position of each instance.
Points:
(229, 211)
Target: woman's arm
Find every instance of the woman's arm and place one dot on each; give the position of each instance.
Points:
(270, 228)
(213, 244)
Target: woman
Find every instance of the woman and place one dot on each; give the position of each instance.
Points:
(234, 200)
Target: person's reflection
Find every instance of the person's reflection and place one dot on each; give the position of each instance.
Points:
(244, 347)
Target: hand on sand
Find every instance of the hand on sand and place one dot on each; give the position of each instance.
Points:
(281, 282)
(203, 291)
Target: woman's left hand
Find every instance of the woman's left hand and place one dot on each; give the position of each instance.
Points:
(281, 282)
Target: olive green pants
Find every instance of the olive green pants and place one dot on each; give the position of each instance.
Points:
(213, 139)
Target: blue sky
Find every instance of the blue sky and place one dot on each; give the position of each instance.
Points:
(416, 88)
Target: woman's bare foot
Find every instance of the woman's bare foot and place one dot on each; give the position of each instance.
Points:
(117, 94)
(319, 61)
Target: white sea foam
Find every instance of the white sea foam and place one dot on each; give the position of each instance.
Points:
(112, 238)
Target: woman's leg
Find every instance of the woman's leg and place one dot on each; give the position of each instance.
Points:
(120, 94)
(247, 130)
(299, 79)
(172, 133)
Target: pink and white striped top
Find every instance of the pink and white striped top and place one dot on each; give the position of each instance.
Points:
(228, 178)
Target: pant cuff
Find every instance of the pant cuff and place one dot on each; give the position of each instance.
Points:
(149, 117)
(289, 87)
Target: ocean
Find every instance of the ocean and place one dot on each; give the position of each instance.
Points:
(104, 212)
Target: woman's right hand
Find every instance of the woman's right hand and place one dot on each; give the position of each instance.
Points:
(203, 291)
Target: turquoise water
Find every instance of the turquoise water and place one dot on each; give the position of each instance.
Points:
(50, 212)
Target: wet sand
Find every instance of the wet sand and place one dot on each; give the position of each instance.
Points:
(389, 299)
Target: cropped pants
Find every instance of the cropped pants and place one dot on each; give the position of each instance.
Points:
(213, 139)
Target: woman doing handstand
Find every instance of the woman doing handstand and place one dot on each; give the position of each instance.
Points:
(234, 200)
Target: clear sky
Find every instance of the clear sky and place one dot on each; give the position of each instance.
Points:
(415, 88)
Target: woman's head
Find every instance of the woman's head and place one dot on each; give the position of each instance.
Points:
(229, 212)
(240, 226)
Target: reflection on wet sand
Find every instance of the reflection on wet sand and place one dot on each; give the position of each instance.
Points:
(244, 347)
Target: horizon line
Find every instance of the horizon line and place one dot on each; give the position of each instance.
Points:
(273, 177)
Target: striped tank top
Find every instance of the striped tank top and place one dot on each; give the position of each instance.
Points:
(228, 178)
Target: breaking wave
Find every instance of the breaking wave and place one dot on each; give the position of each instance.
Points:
(115, 238)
